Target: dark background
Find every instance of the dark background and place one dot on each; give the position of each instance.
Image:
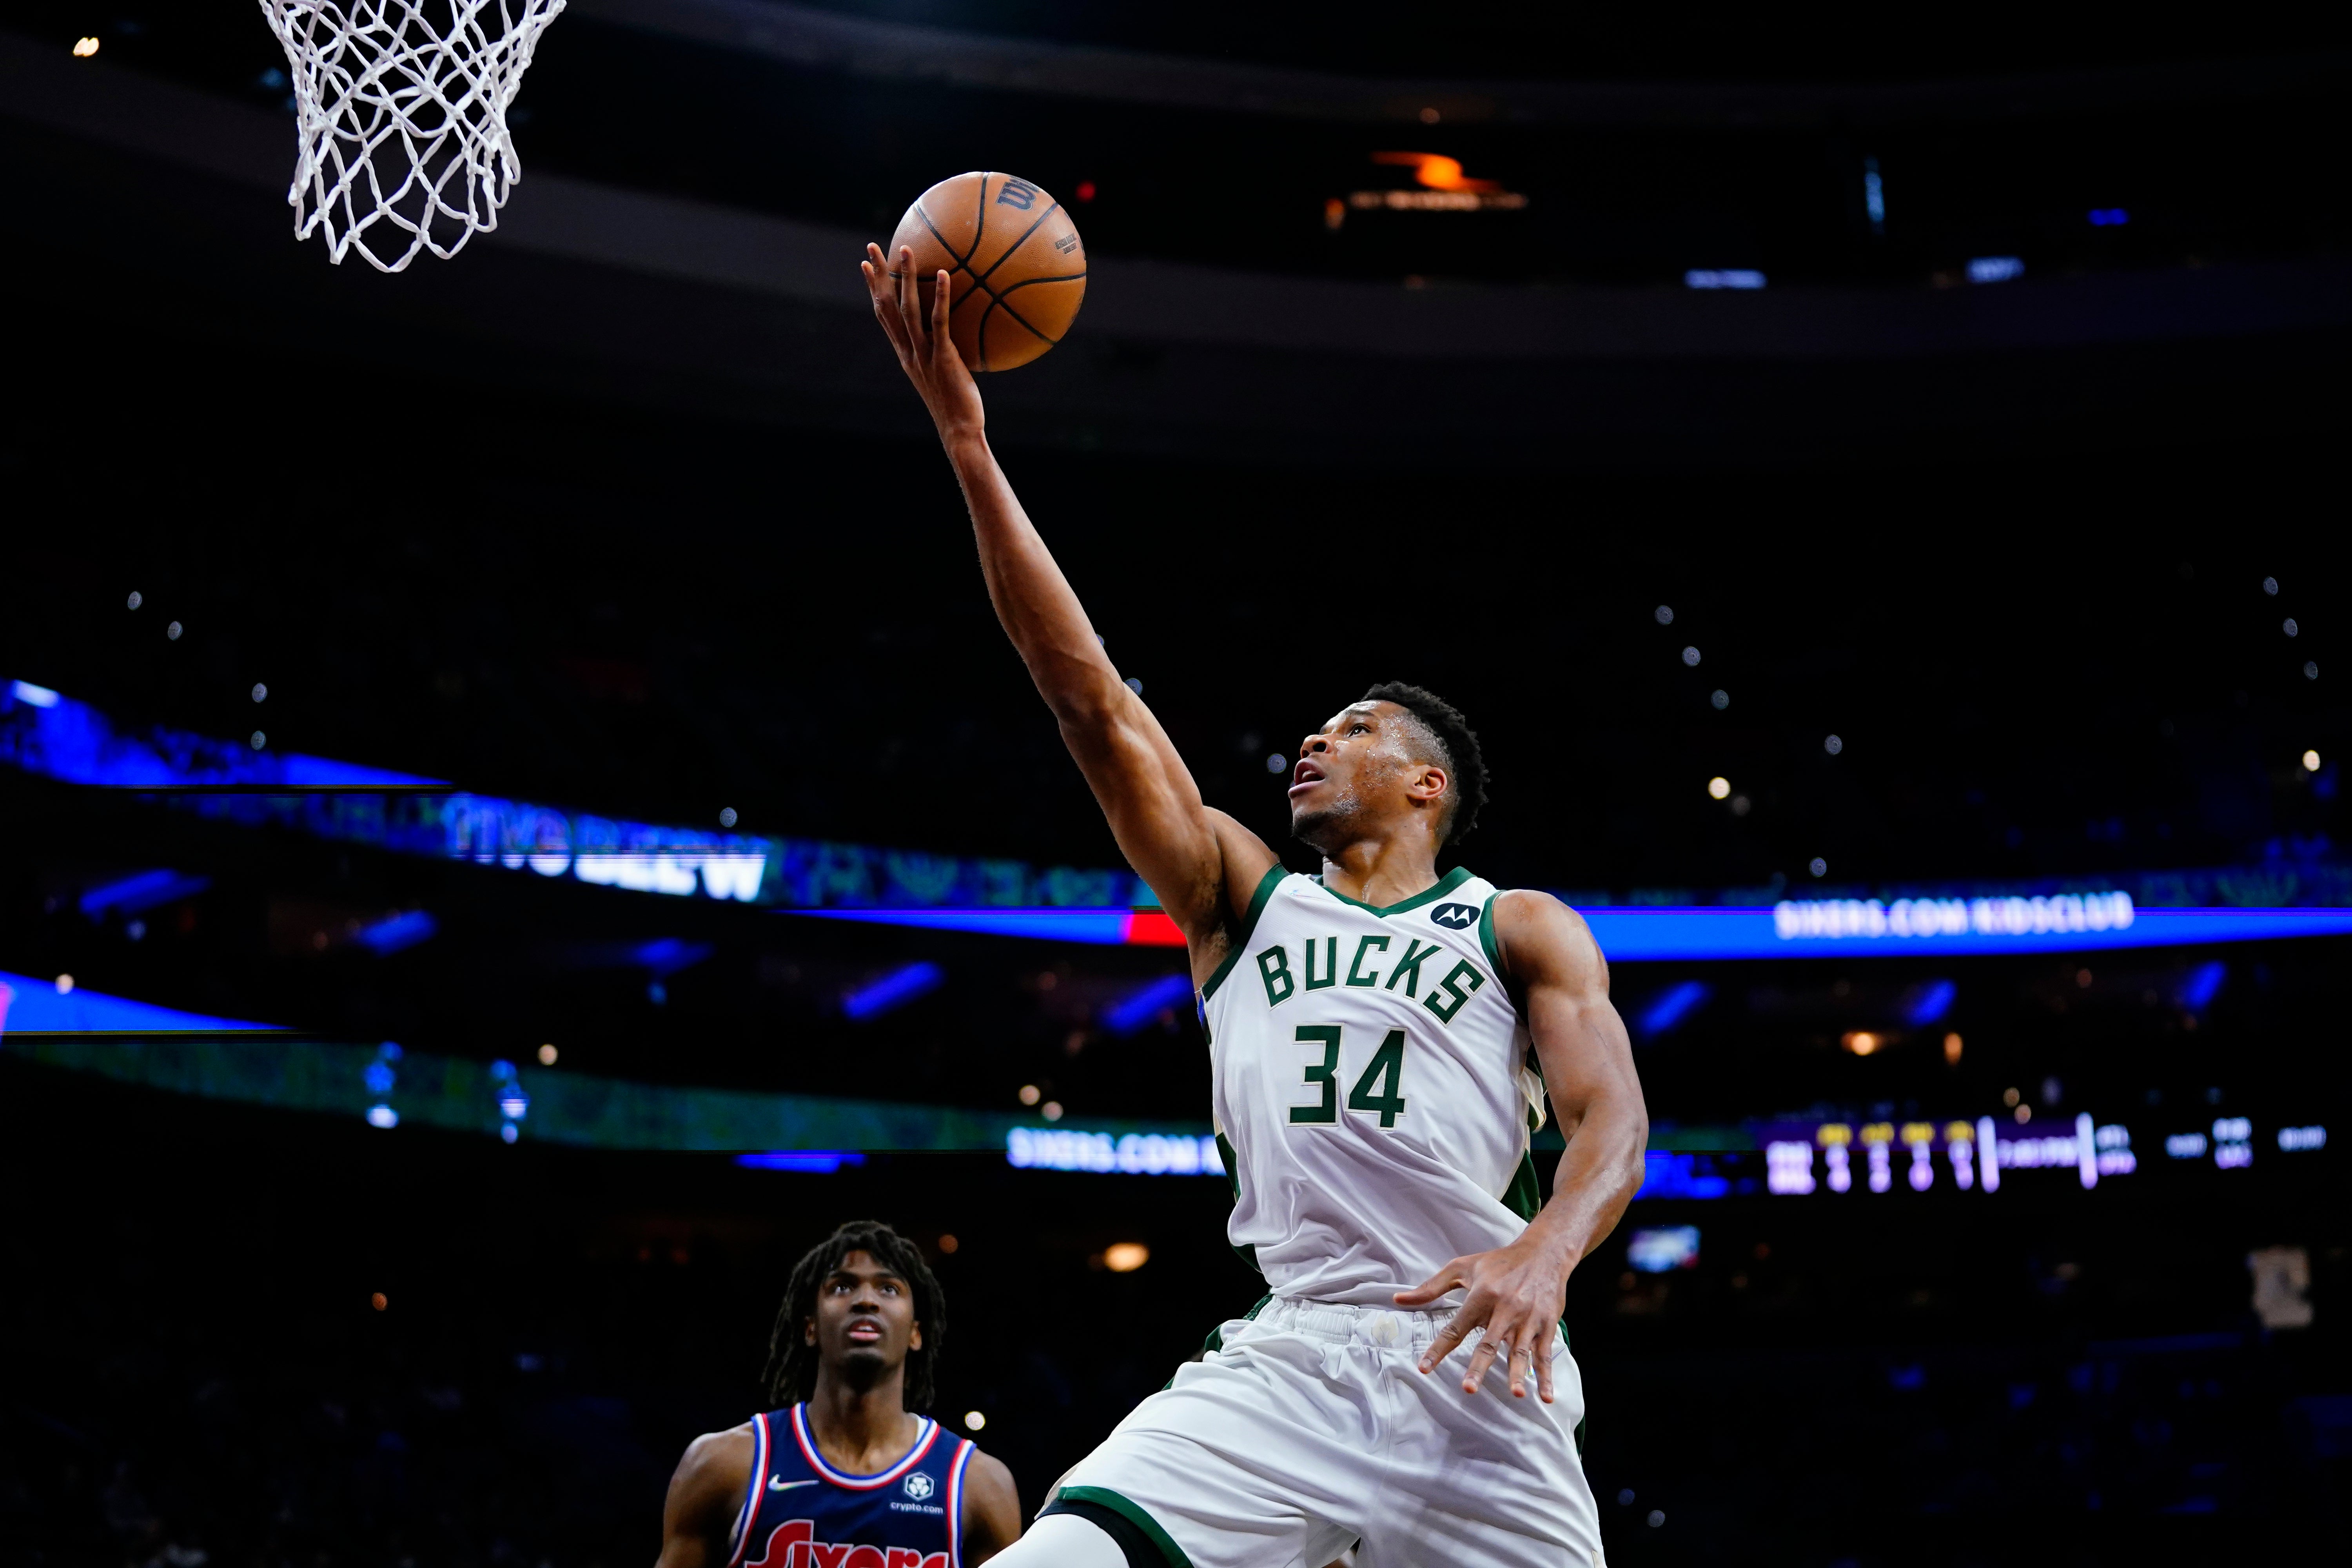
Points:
(651, 546)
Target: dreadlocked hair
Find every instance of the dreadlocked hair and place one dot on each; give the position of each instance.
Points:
(1458, 748)
(791, 1376)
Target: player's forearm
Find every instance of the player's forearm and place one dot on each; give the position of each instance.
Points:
(1035, 602)
(1597, 1176)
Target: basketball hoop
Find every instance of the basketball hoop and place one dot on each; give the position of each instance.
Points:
(403, 123)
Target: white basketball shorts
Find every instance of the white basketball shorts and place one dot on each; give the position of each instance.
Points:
(1311, 1429)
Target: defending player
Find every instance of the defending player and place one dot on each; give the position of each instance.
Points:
(1370, 1031)
(846, 1475)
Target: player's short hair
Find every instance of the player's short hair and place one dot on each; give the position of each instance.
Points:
(793, 1363)
(1457, 749)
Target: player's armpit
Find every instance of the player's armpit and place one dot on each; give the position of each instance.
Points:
(991, 1508)
(704, 1495)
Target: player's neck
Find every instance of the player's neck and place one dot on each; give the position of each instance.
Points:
(861, 1430)
(1382, 871)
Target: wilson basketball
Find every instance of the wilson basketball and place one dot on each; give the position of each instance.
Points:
(1017, 271)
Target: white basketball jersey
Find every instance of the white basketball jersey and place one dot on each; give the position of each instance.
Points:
(1372, 1088)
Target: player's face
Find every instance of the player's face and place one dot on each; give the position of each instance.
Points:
(1354, 772)
(865, 1322)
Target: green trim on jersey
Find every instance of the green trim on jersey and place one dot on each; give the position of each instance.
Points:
(1232, 1164)
(1486, 938)
(1216, 1340)
(1524, 1196)
(1265, 887)
(1445, 884)
(1103, 1497)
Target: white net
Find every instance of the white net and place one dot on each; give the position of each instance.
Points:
(400, 112)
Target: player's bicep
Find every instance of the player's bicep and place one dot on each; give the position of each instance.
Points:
(991, 1509)
(704, 1495)
(1580, 1041)
(1173, 840)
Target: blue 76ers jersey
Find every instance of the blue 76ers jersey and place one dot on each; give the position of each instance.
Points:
(802, 1514)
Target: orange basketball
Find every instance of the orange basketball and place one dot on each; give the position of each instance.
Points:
(1017, 271)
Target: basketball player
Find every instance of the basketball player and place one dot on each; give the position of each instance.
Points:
(845, 1476)
(1372, 1033)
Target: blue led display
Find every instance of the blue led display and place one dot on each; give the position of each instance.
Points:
(823, 1162)
(39, 1006)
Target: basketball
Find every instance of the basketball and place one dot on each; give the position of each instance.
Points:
(1017, 271)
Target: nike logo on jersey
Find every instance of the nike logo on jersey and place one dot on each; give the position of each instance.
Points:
(778, 1484)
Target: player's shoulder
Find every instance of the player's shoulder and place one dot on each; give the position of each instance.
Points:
(987, 1471)
(719, 1457)
(1536, 930)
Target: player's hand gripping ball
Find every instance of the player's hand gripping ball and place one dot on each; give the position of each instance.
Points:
(1017, 271)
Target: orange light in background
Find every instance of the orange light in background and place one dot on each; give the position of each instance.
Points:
(1126, 1257)
(378, 1301)
(1952, 1050)
(85, 48)
(1335, 213)
(949, 1243)
(1436, 171)
(1861, 1042)
(547, 1055)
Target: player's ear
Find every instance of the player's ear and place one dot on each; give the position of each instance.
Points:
(808, 1332)
(1428, 782)
(915, 1338)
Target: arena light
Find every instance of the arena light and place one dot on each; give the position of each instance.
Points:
(1929, 1003)
(1126, 1257)
(2202, 984)
(1670, 1007)
(892, 990)
(396, 934)
(1133, 1013)
(1722, 277)
(139, 892)
(1995, 269)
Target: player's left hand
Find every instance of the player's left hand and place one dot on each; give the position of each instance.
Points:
(1516, 1294)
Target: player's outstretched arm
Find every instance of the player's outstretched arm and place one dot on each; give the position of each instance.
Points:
(704, 1496)
(991, 1508)
(1202, 863)
(1516, 1292)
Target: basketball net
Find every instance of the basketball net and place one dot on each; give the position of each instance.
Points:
(403, 123)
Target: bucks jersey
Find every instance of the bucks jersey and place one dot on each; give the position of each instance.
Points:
(1373, 1095)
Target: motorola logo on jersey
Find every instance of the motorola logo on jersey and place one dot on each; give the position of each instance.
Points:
(918, 1486)
(1453, 917)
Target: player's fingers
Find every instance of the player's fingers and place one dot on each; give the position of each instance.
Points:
(1522, 1361)
(1489, 1346)
(1446, 1278)
(1444, 1344)
(910, 295)
(1543, 1368)
(886, 312)
(942, 341)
